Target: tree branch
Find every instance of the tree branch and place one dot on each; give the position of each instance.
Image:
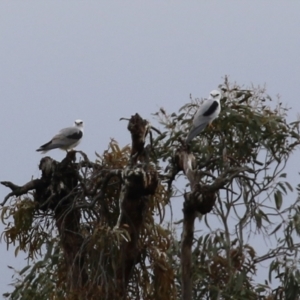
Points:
(201, 199)
(186, 253)
(20, 190)
(138, 184)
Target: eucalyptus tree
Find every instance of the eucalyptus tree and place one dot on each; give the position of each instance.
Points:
(98, 230)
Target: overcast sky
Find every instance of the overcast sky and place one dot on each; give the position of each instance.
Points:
(99, 61)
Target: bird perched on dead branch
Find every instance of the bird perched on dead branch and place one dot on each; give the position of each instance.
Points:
(67, 138)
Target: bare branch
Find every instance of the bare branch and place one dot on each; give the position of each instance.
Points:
(20, 190)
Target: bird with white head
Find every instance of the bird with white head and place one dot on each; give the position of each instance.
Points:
(67, 138)
(206, 113)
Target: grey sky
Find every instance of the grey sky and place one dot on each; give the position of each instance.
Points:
(99, 61)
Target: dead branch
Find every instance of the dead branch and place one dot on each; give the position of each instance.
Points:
(138, 128)
(20, 190)
(138, 184)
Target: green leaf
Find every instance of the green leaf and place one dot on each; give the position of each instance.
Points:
(160, 137)
(289, 186)
(282, 187)
(260, 289)
(278, 199)
(24, 270)
(295, 135)
(180, 117)
(258, 220)
(273, 266)
(276, 229)
(258, 162)
(282, 175)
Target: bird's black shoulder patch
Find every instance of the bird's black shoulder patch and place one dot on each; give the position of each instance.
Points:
(211, 109)
(75, 136)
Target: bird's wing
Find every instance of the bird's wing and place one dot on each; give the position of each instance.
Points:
(67, 137)
(64, 139)
(73, 133)
(204, 112)
(204, 115)
(212, 109)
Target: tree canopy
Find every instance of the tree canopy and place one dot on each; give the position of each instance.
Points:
(98, 230)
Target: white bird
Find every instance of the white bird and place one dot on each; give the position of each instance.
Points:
(67, 138)
(206, 113)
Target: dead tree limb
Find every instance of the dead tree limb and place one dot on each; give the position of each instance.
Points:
(138, 184)
(20, 190)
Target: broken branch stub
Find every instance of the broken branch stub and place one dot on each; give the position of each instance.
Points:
(58, 180)
(138, 128)
(201, 199)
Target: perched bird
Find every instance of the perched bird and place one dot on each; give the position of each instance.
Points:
(206, 113)
(67, 138)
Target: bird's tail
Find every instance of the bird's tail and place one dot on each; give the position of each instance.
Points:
(48, 146)
(195, 131)
(42, 150)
